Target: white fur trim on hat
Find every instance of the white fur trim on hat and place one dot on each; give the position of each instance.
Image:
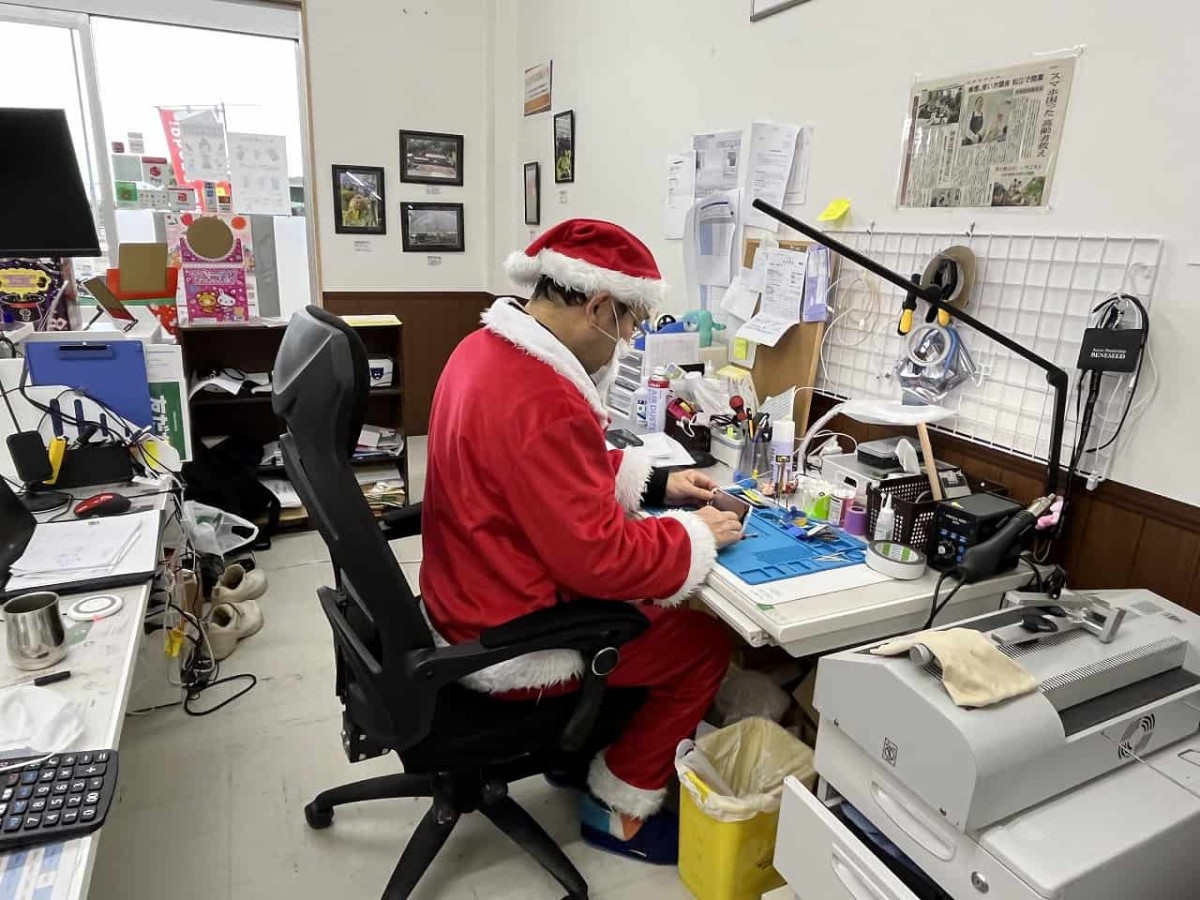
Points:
(632, 477)
(540, 669)
(646, 293)
(621, 796)
(507, 320)
(704, 555)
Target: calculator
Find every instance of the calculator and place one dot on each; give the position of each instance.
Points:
(55, 799)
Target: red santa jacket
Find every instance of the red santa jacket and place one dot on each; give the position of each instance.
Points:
(524, 506)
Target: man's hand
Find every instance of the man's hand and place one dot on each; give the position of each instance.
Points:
(725, 526)
(690, 488)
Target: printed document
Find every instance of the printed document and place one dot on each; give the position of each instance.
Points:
(717, 158)
(772, 151)
(681, 193)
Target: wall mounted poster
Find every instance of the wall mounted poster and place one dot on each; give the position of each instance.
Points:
(202, 147)
(987, 138)
(537, 88)
(258, 171)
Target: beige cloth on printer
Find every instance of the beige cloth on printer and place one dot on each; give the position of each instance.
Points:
(974, 670)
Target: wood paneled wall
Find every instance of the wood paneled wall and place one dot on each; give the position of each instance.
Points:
(1117, 536)
(434, 323)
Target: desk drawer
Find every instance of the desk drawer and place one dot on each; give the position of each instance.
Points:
(822, 860)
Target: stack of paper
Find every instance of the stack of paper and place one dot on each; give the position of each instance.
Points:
(70, 552)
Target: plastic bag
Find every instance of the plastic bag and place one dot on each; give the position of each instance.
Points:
(216, 531)
(748, 694)
(736, 773)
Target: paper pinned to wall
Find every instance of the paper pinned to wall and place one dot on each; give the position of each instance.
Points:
(716, 223)
(783, 283)
(797, 189)
(740, 300)
(765, 328)
(202, 147)
(681, 193)
(258, 173)
(718, 155)
(772, 150)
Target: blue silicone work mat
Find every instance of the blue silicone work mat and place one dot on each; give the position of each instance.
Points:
(774, 554)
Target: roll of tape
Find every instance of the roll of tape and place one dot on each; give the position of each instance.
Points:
(896, 560)
(855, 520)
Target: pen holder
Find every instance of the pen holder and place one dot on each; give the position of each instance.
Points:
(755, 459)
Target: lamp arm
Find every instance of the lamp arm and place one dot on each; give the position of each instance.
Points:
(931, 294)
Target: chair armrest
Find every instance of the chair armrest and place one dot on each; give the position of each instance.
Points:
(584, 625)
(401, 523)
(607, 623)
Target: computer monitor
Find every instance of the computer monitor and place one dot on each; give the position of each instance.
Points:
(45, 210)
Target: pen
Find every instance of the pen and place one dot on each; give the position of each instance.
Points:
(53, 678)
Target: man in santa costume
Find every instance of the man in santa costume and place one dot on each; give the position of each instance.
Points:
(525, 508)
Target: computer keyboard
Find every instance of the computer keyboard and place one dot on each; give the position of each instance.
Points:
(55, 799)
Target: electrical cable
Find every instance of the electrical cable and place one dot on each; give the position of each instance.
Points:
(937, 606)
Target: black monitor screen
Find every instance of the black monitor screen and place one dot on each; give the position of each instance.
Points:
(44, 210)
(16, 528)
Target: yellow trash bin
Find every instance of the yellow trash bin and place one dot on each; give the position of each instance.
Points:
(731, 783)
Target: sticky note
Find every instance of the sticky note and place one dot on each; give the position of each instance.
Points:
(741, 348)
(835, 210)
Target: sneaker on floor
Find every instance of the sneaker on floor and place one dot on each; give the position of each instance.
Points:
(222, 630)
(655, 840)
(237, 584)
(250, 618)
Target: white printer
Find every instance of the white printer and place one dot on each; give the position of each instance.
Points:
(1087, 789)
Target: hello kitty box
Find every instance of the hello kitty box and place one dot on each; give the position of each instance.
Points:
(214, 289)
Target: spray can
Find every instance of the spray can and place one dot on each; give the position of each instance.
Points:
(658, 394)
(640, 398)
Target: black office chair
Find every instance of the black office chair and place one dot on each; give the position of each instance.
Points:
(399, 692)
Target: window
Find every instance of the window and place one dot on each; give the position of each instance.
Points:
(136, 70)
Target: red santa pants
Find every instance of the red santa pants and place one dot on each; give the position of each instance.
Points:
(680, 659)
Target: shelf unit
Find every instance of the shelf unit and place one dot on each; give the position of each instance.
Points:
(252, 347)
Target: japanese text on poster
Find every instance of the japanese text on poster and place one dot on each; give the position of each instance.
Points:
(987, 138)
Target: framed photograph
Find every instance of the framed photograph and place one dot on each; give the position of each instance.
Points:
(538, 80)
(359, 204)
(427, 157)
(564, 147)
(533, 193)
(760, 9)
(432, 227)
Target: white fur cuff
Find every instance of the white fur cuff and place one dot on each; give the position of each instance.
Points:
(704, 555)
(540, 669)
(632, 477)
(624, 798)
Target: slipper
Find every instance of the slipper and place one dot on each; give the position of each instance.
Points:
(221, 627)
(656, 842)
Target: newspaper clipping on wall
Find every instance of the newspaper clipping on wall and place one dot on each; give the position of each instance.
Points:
(987, 138)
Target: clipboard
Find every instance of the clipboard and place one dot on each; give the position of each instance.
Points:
(113, 372)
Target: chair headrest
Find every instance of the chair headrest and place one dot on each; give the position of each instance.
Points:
(321, 379)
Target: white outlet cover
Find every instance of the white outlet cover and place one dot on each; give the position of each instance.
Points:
(562, 197)
(433, 260)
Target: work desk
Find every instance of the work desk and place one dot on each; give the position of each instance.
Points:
(101, 661)
(843, 617)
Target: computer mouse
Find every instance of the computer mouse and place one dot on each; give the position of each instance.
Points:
(108, 503)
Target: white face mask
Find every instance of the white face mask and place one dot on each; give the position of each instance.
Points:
(603, 377)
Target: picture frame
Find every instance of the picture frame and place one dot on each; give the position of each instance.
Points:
(761, 9)
(533, 193)
(431, 157)
(432, 228)
(360, 200)
(564, 147)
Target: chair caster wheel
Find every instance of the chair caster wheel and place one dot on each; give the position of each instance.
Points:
(316, 817)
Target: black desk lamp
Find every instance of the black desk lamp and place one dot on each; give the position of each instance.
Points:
(932, 294)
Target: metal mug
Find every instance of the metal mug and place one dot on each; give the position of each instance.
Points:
(34, 630)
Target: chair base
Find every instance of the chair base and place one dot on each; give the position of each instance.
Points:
(454, 795)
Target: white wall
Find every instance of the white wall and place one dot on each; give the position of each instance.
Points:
(642, 77)
(375, 67)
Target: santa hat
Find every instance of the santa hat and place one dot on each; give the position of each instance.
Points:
(590, 256)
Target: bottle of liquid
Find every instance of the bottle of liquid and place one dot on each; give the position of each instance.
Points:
(658, 394)
(783, 445)
(885, 521)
